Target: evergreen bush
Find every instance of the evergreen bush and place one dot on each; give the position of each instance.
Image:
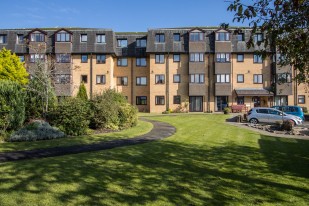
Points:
(82, 92)
(111, 111)
(12, 105)
(71, 116)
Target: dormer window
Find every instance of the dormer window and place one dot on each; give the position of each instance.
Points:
(63, 36)
(122, 43)
(196, 36)
(160, 38)
(222, 36)
(37, 37)
(258, 37)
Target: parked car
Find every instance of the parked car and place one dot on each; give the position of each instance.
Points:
(294, 110)
(270, 115)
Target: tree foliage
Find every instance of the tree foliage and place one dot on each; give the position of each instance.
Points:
(12, 106)
(11, 68)
(285, 23)
(82, 92)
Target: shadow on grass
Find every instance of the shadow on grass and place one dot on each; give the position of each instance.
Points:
(166, 173)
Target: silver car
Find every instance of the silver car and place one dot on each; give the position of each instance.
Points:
(270, 115)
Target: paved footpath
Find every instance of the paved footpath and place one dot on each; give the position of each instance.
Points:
(160, 130)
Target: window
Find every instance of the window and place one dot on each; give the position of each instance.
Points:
(301, 99)
(176, 78)
(196, 57)
(196, 36)
(100, 79)
(160, 100)
(160, 79)
(100, 38)
(258, 37)
(284, 78)
(197, 78)
(257, 78)
(84, 58)
(177, 99)
(223, 78)
(62, 78)
(84, 79)
(257, 58)
(2, 39)
(21, 58)
(176, 57)
(141, 100)
(122, 43)
(141, 42)
(240, 37)
(63, 37)
(159, 58)
(176, 37)
(223, 57)
(122, 81)
(141, 81)
(20, 39)
(222, 36)
(240, 78)
(63, 58)
(160, 38)
(37, 57)
(240, 100)
(83, 38)
(141, 62)
(240, 57)
(37, 37)
(101, 58)
(122, 62)
(263, 111)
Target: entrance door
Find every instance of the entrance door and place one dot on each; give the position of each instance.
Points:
(196, 104)
(222, 102)
(256, 101)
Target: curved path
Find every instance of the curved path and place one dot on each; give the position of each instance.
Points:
(160, 130)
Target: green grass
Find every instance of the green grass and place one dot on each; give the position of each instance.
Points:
(141, 128)
(207, 162)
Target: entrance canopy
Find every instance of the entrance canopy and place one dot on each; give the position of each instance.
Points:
(253, 92)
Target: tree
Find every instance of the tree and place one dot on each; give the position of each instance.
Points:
(82, 92)
(11, 68)
(41, 95)
(285, 24)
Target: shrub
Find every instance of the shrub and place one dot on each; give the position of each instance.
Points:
(82, 92)
(111, 111)
(226, 110)
(12, 105)
(71, 116)
(127, 116)
(36, 130)
(287, 125)
(305, 109)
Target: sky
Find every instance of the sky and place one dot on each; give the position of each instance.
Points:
(119, 15)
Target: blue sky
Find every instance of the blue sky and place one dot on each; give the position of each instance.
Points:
(119, 15)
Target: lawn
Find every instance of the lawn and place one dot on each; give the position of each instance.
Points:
(141, 128)
(207, 162)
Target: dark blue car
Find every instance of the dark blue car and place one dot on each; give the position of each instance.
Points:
(294, 110)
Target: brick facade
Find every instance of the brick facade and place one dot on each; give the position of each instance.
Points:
(209, 68)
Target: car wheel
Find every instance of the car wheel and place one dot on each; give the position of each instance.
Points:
(253, 121)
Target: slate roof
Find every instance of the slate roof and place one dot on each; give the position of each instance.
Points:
(253, 92)
(110, 47)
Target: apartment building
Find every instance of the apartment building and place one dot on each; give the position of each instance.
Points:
(205, 68)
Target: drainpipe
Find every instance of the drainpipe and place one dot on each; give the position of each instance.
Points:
(91, 89)
(167, 82)
(132, 80)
